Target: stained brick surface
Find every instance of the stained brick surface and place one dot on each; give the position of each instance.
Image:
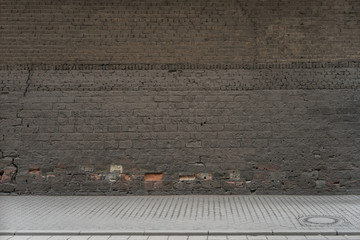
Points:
(214, 96)
(103, 131)
(178, 31)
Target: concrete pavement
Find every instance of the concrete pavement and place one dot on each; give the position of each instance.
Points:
(109, 237)
(181, 216)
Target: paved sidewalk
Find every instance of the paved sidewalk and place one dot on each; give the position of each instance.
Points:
(108, 237)
(181, 215)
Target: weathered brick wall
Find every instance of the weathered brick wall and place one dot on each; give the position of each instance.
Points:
(179, 97)
(178, 31)
(187, 131)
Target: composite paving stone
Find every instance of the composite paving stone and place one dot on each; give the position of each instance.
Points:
(335, 237)
(79, 237)
(276, 238)
(217, 238)
(178, 238)
(317, 237)
(198, 238)
(237, 238)
(157, 238)
(257, 238)
(99, 238)
(120, 237)
(46, 237)
(139, 237)
(20, 237)
(60, 237)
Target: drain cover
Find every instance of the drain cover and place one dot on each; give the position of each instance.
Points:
(320, 221)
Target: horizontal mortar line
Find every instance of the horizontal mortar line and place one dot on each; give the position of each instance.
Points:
(240, 101)
(205, 125)
(350, 88)
(191, 66)
(179, 140)
(305, 88)
(156, 139)
(167, 139)
(236, 131)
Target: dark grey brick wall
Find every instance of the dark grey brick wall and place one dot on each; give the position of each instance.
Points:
(218, 131)
(178, 31)
(179, 96)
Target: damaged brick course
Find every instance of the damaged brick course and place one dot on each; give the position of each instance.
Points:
(178, 141)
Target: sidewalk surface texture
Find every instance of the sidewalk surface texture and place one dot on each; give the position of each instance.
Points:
(181, 217)
(232, 237)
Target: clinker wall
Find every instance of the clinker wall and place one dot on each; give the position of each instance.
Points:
(178, 31)
(180, 97)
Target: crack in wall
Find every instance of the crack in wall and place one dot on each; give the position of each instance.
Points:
(28, 80)
(13, 177)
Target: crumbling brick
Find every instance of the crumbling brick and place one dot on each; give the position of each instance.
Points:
(150, 177)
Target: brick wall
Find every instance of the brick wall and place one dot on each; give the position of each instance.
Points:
(179, 97)
(186, 131)
(178, 31)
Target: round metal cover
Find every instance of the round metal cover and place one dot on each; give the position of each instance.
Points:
(321, 221)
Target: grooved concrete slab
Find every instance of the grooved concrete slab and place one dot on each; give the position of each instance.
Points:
(179, 215)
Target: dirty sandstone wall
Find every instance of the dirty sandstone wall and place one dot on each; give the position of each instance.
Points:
(180, 97)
